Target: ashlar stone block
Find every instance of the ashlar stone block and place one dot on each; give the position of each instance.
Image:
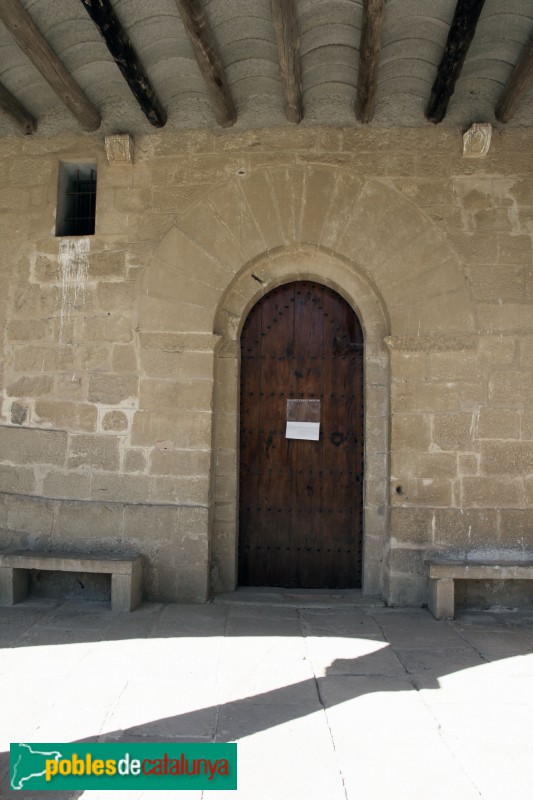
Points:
(93, 358)
(112, 389)
(423, 465)
(27, 445)
(70, 386)
(410, 432)
(23, 330)
(197, 365)
(467, 464)
(124, 358)
(198, 395)
(498, 423)
(99, 452)
(128, 199)
(34, 386)
(18, 480)
(13, 199)
(408, 366)
(159, 394)
(160, 364)
(33, 358)
(174, 429)
(429, 491)
(151, 524)
(412, 525)
(455, 366)
(516, 524)
(493, 492)
(180, 462)
(108, 328)
(472, 395)
(425, 396)
(89, 521)
(193, 490)
(134, 461)
(115, 421)
(194, 522)
(504, 317)
(117, 297)
(514, 249)
(497, 349)
(466, 529)
(497, 282)
(319, 186)
(67, 485)
(72, 416)
(506, 458)
(30, 171)
(215, 236)
(121, 488)
(510, 388)
(32, 515)
(192, 584)
(453, 431)
(493, 219)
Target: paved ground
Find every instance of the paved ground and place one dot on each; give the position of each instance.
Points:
(349, 701)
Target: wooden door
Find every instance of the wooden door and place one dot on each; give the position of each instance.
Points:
(300, 519)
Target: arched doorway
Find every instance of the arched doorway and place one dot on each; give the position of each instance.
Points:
(301, 500)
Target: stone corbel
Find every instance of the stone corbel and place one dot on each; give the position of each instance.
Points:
(476, 140)
(119, 150)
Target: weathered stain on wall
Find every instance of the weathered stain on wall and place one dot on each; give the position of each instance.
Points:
(73, 260)
(119, 363)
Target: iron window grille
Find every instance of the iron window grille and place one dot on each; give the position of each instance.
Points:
(76, 205)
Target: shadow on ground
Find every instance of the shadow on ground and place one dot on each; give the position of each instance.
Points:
(415, 651)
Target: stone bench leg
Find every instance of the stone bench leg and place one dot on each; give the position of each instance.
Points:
(13, 585)
(126, 590)
(441, 598)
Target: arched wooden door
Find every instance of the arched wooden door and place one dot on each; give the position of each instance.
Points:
(301, 501)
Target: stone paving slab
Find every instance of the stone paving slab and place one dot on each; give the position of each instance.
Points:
(345, 622)
(435, 660)
(344, 702)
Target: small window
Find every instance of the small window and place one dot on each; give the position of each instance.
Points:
(76, 199)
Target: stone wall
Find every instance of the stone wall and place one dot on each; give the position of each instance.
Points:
(119, 364)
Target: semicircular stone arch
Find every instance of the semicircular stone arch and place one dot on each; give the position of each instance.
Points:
(276, 224)
(254, 281)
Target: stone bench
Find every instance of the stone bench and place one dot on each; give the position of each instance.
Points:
(125, 571)
(443, 573)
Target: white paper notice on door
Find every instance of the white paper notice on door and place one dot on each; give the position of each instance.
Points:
(303, 420)
(303, 430)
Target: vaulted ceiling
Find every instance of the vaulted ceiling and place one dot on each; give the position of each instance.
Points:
(255, 63)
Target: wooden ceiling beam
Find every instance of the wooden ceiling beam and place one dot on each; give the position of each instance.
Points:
(28, 37)
(290, 66)
(462, 30)
(120, 47)
(201, 37)
(369, 49)
(517, 85)
(16, 111)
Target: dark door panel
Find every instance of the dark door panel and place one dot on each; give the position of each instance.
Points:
(300, 522)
